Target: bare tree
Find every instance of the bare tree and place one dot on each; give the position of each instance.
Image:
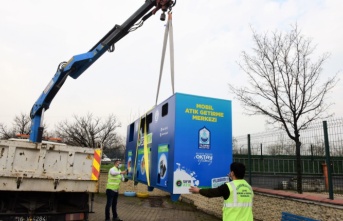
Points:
(234, 145)
(117, 151)
(21, 125)
(318, 147)
(275, 149)
(289, 148)
(89, 131)
(5, 132)
(284, 146)
(284, 84)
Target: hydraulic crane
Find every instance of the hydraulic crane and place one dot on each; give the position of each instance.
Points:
(79, 63)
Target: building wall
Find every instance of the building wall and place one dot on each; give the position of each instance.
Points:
(266, 207)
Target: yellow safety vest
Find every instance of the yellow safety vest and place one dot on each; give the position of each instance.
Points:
(113, 181)
(238, 207)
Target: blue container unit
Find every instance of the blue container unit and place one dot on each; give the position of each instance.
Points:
(184, 141)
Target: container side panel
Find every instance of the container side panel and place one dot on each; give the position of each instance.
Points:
(203, 142)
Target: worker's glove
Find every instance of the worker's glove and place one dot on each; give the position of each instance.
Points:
(124, 179)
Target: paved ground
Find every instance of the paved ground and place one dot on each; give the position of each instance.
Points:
(153, 208)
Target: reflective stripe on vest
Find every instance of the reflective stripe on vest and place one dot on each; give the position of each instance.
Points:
(113, 181)
(239, 204)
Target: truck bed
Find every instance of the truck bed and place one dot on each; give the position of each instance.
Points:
(48, 167)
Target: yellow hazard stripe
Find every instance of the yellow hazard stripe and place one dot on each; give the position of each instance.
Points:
(96, 164)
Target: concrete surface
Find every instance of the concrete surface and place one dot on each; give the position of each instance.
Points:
(153, 208)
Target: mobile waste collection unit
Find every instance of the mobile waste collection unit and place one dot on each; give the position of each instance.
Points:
(184, 141)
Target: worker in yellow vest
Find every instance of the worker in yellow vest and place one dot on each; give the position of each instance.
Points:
(115, 176)
(238, 195)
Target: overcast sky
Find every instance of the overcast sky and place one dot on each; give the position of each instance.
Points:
(209, 36)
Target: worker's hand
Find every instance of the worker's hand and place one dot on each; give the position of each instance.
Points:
(123, 172)
(194, 189)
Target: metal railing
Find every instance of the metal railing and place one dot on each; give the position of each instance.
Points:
(271, 161)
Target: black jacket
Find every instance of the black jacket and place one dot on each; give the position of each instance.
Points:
(222, 190)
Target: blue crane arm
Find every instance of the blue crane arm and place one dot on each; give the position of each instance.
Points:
(79, 63)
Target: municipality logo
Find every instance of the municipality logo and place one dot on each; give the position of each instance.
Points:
(204, 138)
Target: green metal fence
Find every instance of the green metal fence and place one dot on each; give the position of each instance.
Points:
(272, 163)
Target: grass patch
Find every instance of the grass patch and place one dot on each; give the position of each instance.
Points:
(106, 167)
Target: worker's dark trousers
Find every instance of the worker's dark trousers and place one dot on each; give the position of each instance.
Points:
(112, 198)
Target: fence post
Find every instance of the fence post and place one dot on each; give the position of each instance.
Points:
(261, 152)
(249, 159)
(328, 163)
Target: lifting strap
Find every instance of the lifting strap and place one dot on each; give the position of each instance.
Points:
(146, 153)
(169, 30)
(137, 145)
